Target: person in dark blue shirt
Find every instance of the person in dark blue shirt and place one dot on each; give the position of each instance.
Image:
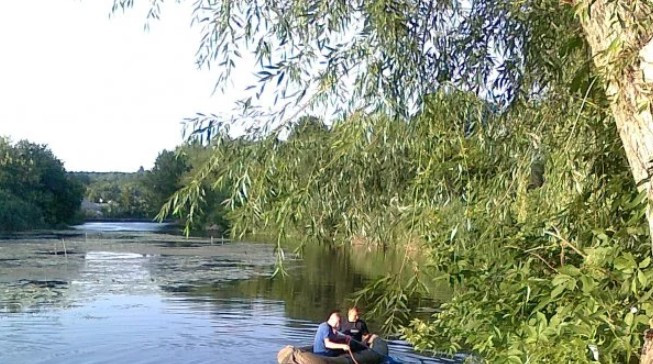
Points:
(328, 341)
(356, 328)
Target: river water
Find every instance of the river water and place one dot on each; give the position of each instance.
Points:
(131, 293)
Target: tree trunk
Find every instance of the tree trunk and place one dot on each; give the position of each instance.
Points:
(647, 350)
(619, 35)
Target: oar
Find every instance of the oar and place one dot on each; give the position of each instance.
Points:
(387, 357)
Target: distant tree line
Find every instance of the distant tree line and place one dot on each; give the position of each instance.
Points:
(116, 194)
(140, 195)
(35, 190)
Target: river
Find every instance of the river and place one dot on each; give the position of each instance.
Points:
(135, 293)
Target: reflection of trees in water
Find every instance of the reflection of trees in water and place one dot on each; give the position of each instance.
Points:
(323, 280)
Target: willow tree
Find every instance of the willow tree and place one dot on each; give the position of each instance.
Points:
(533, 60)
(372, 55)
(621, 40)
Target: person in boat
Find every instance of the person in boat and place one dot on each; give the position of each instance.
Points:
(328, 340)
(356, 328)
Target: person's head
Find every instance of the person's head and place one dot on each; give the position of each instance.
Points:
(334, 319)
(353, 314)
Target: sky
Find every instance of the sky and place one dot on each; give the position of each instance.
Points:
(101, 92)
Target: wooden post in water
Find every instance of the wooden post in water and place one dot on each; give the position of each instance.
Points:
(65, 253)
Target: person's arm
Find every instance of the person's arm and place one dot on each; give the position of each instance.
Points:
(367, 337)
(334, 345)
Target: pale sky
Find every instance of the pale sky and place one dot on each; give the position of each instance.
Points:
(102, 93)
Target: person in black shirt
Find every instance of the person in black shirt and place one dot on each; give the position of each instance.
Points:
(357, 329)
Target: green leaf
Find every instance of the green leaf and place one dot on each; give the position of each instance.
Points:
(557, 291)
(560, 279)
(629, 319)
(588, 284)
(625, 263)
(642, 278)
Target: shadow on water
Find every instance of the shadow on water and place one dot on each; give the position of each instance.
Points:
(141, 296)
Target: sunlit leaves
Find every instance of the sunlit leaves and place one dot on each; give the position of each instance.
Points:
(524, 202)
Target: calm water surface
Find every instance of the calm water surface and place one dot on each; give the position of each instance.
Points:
(127, 294)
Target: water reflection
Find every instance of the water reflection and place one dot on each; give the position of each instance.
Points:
(314, 286)
(322, 280)
(124, 297)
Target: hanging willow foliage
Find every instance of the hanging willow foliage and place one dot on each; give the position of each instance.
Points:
(530, 211)
(525, 202)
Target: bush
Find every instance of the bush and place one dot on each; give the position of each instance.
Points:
(37, 191)
(16, 214)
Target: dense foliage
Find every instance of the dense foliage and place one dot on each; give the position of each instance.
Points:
(477, 129)
(35, 190)
(531, 213)
(165, 178)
